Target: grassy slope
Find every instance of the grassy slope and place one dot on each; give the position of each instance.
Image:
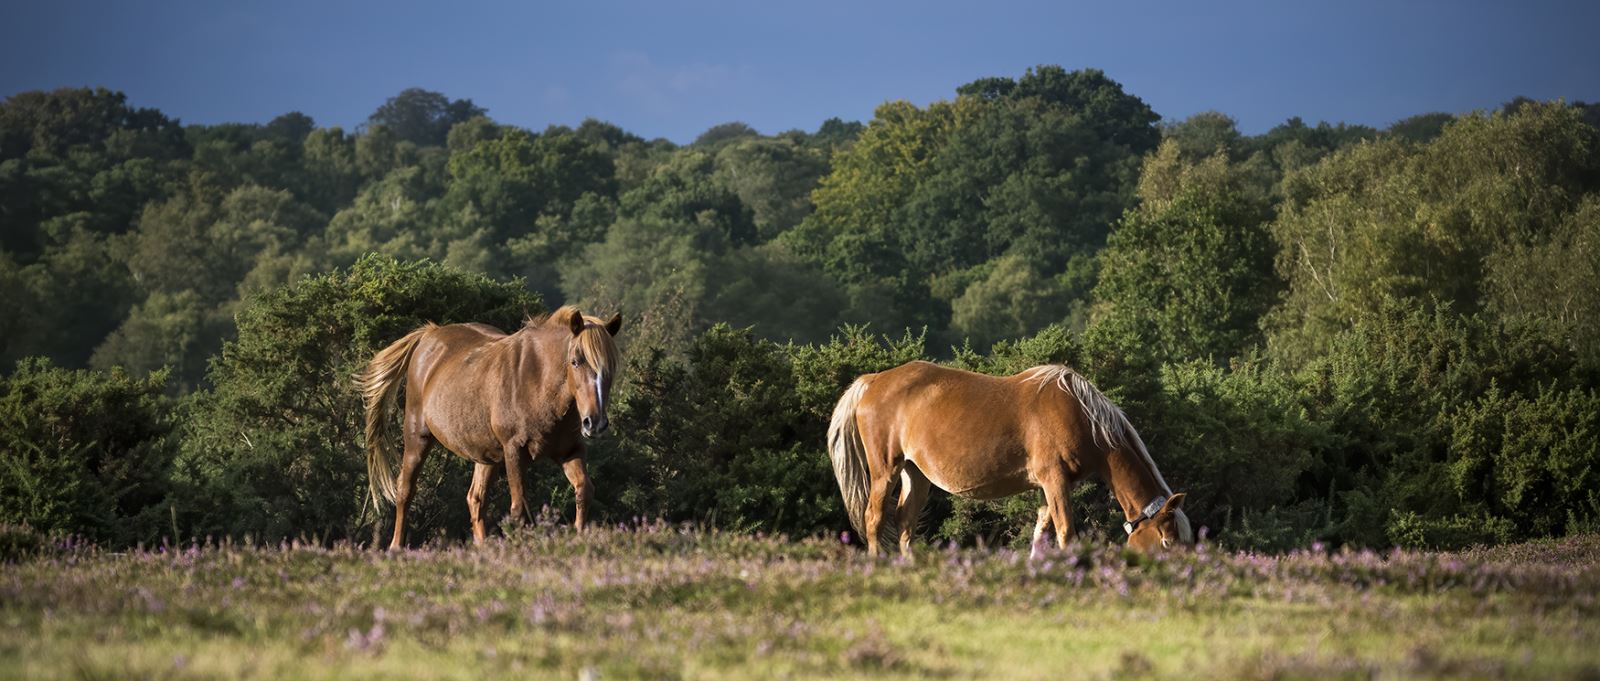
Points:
(660, 602)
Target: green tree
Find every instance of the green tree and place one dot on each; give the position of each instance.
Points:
(79, 152)
(1191, 268)
(423, 117)
(1039, 166)
(654, 271)
(509, 183)
(1421, 128)
(719, 136)
(1011, 302)
(65, 303)
(1391, 219)
(683, 190)
(778, 295)
(1555, 281)
(329, 164)
(1204, 134)
(774, 178)
(175, 331)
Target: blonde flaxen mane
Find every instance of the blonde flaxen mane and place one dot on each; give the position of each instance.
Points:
(1111, 427)
(598, 349)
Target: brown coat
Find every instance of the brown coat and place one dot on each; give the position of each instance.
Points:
(492, 398)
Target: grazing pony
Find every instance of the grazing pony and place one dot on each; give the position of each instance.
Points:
(489, 397)
(986, 437)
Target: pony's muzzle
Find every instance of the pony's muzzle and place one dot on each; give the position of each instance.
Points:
(595, 425)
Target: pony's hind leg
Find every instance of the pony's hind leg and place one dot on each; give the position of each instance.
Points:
(416, 450)
(481, 475)
(913, 494)
(1037, 546)
(877, 497)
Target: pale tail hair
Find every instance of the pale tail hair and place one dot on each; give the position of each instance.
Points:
(849, 456)
(1111, 427)
(379, 384)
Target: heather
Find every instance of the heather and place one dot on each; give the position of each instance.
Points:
(670, 601)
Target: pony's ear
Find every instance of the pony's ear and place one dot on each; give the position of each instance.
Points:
(614, 324)
(576, 321)
(1174, 503)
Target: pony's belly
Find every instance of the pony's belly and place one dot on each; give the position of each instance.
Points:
(465, 432)
(974, 476)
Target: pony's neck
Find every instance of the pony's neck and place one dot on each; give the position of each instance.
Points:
(1134, 482)
(546, 354)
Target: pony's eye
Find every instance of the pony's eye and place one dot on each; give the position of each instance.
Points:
(576, 361)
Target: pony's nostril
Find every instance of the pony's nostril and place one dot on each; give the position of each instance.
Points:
(587, 423)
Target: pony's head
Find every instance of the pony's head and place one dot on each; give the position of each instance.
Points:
(1167, 529)
(592, 363)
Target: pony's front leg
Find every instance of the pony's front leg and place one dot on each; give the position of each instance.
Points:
(513, 462)
(481, 474)
(1060, 504)
(582, 489)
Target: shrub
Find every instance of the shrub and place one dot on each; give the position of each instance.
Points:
(1237, 441)
(1532, 460)
(85, 452)
(1389, 390)
(733, 434)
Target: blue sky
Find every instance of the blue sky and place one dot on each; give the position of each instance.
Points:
(673, 69)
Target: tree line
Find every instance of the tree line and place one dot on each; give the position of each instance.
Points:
(1325, 332)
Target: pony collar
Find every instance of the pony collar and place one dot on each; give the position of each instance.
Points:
(1150, 511)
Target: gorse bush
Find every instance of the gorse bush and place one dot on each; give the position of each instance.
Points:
(1390, 390)
(1532, 460)
(86, 453)
(733, 433)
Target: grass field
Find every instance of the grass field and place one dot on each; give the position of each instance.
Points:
(664, 602)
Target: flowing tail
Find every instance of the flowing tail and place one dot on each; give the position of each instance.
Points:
(849, 456)
(378, 383)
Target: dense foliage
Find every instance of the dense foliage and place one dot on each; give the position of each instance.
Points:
(86, 452)
(1324, 332)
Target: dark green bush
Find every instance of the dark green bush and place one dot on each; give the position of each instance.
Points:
(733, 433)
(1390, 390)
(86, 453)
(1533, 460)
(1237, 441)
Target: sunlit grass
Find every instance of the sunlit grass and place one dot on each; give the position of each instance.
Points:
(663, 602)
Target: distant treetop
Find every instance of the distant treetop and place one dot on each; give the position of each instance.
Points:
(423, 117)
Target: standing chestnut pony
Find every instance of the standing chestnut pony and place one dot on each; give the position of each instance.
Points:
(986, 437)
(489, 397)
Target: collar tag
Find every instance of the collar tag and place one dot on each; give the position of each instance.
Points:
(1150, 511)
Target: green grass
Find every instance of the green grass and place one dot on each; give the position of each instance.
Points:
(661, 602)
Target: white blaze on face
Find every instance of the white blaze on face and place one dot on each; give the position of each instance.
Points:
(599, 395)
